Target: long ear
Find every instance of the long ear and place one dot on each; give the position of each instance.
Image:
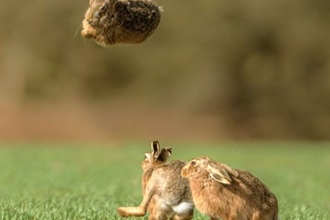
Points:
(228, 169)
(164, 154)
(218, 173)
(155, 147)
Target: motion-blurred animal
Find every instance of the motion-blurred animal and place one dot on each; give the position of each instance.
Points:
(111, 22)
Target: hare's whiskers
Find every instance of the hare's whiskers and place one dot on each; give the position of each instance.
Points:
(85, 42)
(75, 34)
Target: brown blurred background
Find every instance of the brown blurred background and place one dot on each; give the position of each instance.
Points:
(213, 70)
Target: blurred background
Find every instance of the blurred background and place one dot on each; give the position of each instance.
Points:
(213, 70)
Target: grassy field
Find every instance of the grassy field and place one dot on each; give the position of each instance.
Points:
(66, 181)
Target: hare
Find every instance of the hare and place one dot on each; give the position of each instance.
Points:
(228, 194)
(166, 194)
(151, 160)
(111, 22)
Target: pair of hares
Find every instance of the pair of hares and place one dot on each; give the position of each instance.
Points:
(111, 22)
(171, 190)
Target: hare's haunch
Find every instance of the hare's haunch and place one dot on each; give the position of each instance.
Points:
(111, 22)
(228, 194)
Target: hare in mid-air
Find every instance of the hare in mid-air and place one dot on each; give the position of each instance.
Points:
(228, 194)
(111, 22)
(166, 195)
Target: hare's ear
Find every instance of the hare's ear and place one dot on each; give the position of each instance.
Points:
(164, 154)
(218, 173)
(155, 147)
(168, 151)
(229, 170)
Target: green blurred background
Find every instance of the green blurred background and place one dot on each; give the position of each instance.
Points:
(213, 70)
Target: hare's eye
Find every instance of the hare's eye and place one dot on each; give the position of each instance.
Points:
(103, 8)
(193, 163)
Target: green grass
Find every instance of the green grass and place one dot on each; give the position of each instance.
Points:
(62, 181)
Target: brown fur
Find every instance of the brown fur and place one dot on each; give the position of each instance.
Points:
(151, 161)
(163, 188)
(228, 194)
(111, 22)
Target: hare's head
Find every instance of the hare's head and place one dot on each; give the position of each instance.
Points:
(96, 12)
(96, 17)
(204, 166)
(156, 156)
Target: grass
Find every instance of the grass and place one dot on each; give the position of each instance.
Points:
(63, 181)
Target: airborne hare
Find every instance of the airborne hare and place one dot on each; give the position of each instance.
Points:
(111, 22)
(166, 195)
(228, 194)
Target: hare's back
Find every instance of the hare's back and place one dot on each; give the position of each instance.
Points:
(169, 176)
(256, 190)
(251, 181)
(173, 167)
(172, 187)
(138, 16)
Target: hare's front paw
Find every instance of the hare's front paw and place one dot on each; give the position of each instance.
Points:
(130, 211)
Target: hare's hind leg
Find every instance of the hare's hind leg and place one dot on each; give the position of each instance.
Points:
(141, 209)
(177, 217)
(157, 216)
(130, 211)
(188, 216)
(134, 211)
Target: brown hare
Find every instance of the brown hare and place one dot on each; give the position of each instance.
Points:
(228, 194)
(111, 22)
(166, 194)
